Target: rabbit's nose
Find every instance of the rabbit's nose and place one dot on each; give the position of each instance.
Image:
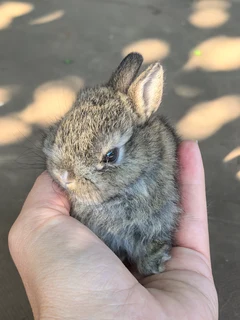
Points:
(66, 178)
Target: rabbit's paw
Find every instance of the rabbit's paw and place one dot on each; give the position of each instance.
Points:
(154, 259)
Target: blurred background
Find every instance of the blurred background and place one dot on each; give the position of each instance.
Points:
(49, 49)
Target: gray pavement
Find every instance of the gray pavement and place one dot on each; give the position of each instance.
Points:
(48, 49)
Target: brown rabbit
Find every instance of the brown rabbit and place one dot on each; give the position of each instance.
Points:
(117, 160)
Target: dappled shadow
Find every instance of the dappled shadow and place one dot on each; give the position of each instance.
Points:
(206, 118)
(232, 155)
(187, 91)
(9, 10)
(209, 13)
(151, 49)
(238, 175)
(7, 93)
(50, 17)
(215, 54)
(50, 102)
(51, 49)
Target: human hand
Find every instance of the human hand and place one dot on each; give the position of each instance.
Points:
(68, 273)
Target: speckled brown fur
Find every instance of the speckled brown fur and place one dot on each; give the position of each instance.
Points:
(133, 205)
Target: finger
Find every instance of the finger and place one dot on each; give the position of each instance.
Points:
(44, 201)
(193, 231)
(45, 193)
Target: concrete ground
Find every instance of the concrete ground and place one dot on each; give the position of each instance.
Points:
(51, 48)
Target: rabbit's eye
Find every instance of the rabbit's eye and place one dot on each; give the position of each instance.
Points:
(111, 156)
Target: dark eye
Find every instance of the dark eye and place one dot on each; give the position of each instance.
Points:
(111, 156)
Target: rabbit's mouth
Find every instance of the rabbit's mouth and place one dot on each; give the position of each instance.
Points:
(85, 192)
(80, 189)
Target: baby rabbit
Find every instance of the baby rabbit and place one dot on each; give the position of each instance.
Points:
(117, 160)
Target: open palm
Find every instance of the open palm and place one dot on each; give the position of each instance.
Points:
(69, 273)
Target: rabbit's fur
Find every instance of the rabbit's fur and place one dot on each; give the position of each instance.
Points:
(132, 205)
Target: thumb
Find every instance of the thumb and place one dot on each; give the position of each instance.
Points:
(44, 202)
(45, 193)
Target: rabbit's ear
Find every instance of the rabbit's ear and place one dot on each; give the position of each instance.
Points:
(126, 72)
(146, 91)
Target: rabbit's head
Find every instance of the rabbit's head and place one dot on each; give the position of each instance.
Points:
(108, 139)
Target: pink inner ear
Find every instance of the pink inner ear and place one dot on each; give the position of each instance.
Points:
(149, 87)
(147, 91)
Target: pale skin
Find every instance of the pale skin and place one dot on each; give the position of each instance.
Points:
(68, 273)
